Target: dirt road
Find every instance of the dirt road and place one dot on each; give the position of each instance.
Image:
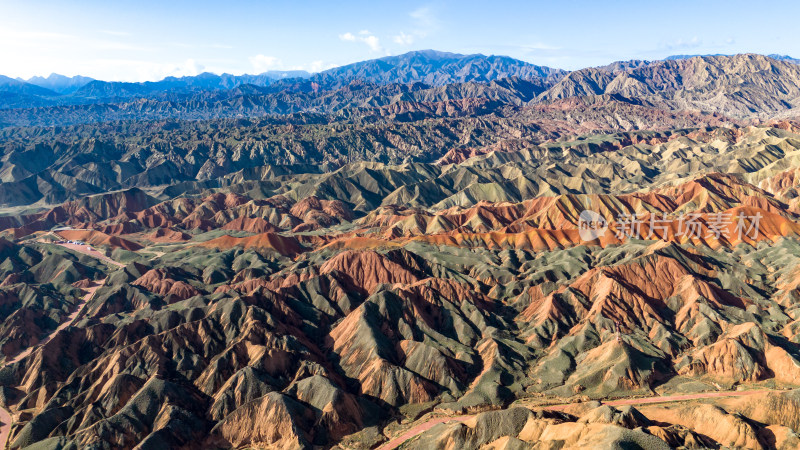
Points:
(5, 416)
(423, 427)
(87, 250)
(5, 427)
(70, 319)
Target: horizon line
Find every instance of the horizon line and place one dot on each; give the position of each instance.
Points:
(311, 73)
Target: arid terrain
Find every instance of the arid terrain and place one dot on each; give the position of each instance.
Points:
(396, 254)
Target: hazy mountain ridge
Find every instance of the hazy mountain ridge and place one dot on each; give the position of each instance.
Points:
(435, 68)
(10, 85)
(429, 67)
(204, 81)
(741, 86)
(59, 83)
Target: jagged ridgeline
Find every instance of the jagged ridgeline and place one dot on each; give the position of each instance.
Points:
(393, 253)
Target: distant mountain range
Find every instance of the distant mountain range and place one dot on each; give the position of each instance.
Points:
(751, 86)
(679, 57)
(59, 89)
(59, 83)
(786, 58)
(436, 69)
(776, 56)
(204, 81)
(431, 67)
(11, 86)
(427, 66)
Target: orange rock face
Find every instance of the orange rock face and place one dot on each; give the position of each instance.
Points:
(368, 269)
(264, 241)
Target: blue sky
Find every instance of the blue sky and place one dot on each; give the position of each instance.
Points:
(147, 40)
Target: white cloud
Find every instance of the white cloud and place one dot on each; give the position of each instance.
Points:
(403, 39)
(155, 71)
(200, 46)
(424, 18)
(114, 57)
(372, 41)
(263, 63)
(347, 37)
(317, 66)
(424, 22)
(188, 68)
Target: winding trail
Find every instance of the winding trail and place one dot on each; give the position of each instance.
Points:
(5, 427)
(423, 427)
(5, 416)
(88, 250)
(70, 320)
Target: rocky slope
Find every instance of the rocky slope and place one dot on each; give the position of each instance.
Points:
(420, 84)
(327, 303)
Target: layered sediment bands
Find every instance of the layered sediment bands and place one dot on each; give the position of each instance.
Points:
(264, 241)
(367, 269)
(299, 306)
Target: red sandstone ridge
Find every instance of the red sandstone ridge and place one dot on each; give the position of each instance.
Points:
(86, 210)
(316, 213)
(286, 246)
(712, 193)
(716, 191)
(251, 225)
(115, 228)
(368, 269)
(731, 357)
(157, 282)
(167, 235)
(226, 201)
